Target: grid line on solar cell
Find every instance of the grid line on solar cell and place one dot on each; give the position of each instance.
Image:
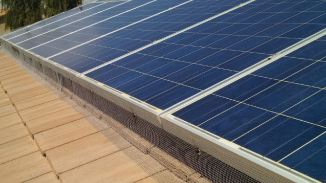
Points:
(292, 104)
(114, 60)
(94, 24)
(121, 28)
(113, 23)
(167, 37)
(50, 30)
(162, 16)
(279, 81)
(302, 146)
(45, 20)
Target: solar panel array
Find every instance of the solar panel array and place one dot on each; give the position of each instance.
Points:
(163, 52)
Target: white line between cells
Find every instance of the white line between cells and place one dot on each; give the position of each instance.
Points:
(73, 21)
(120, 28)
(167, 37)
(52, 22)
(90, 26)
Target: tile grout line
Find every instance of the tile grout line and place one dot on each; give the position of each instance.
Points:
(38, 177)
(18, 157)
(30, 133)
(14, 139)
(96, 159)
(97, 131)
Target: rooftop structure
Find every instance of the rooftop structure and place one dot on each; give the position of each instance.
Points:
(243, 81)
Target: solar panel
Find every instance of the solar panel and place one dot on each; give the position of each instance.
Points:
(276, 111)
(191, 61)
(107, 17)
(246, 72)
(164, 20)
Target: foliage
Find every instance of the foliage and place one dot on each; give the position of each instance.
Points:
(24, 12)
(53, 7)
(21, 12)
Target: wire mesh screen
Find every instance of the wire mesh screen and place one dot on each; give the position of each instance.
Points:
(166, 158)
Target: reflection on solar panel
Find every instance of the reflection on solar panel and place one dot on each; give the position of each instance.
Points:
(251, 72)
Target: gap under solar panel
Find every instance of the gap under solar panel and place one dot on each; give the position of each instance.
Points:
(276, 111)
(183, 67)
(64, 22)
(50, 20)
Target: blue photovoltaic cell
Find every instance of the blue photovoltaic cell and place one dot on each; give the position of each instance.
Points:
(50, 20)
(155, 28)
(277, 111)
(308, 158)
(64, 30)
(208, 53)
(109, 25)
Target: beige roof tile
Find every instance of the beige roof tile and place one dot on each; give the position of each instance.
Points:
(11, 75)
(6, 110)
(53, 120)
(12, 133)
(26, 81)
(43, 109)
(64, 134)
(17, 69)
(5, 102)
(17, 148)
(9, 120)
(15, 79)
(8, 67)
(21, 88)
(116, 167)
(34, 101)
(28, 93)
(46, 178)
(3, 95)
(24, 168)
(79, 152)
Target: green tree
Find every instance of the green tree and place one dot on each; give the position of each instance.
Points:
(24, 12)
(53, 7)
(21, 12)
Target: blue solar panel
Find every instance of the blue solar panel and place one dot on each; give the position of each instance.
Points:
(197, 60)
(50, 20)
(75, 18)
(110, 24)
(147, 31)
(276, 111)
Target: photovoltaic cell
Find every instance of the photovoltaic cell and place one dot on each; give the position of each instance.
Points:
(277, 111)
(154, 28)
(203, 56)
(111, 24)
